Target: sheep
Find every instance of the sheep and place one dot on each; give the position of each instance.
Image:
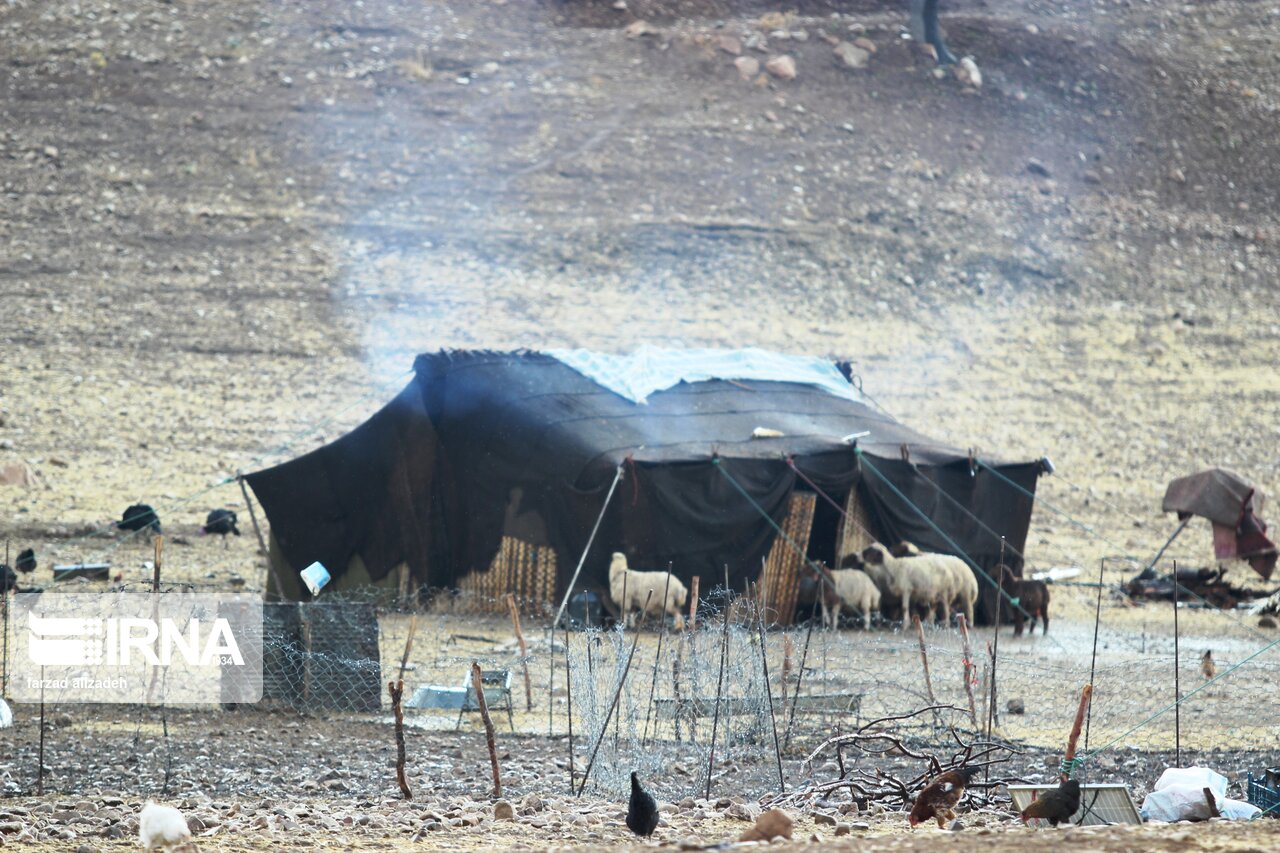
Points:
(636, 587)
(857, 592)
(813, 588)
(956, 585)
(1032, 597)
(902, 577)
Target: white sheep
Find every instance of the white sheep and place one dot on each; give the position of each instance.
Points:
(904, 578)
(954, 582)
(635, 587)
(857, 592)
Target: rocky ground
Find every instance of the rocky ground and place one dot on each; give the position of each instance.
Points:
(228, 227)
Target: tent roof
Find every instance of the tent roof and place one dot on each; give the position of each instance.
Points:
(1215, 493)
(553, 420)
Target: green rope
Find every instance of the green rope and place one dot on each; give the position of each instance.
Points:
(1177, 703)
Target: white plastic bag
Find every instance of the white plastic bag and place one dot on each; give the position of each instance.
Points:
(1239, 810)
(1193, 777)
(1179, 802)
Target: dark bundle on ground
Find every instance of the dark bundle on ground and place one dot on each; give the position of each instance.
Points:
(26, 562)
(1056, 806)
(220, 521)
(642, 810)
(1032, 598)
(139, 517)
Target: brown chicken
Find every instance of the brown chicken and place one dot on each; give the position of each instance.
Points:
(1207, 667)
(1056, 806)
(938, 800)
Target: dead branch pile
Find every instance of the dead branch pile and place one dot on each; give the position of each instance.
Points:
(877, 739)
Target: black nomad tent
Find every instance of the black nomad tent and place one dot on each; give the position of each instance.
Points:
(487, 460)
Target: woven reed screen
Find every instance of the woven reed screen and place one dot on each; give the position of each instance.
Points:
(854, 533)
(528, 571)
(781, 580)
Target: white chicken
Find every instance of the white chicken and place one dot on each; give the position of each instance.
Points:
(163, 828)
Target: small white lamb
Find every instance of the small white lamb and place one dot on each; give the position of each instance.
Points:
(857, 592)
(637, 585)
(904, 577)
(164, 828)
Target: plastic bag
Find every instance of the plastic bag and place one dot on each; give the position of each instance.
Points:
(1173, 803)
(1239, 810)
(1193, 777)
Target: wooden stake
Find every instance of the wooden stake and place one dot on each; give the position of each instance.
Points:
(477, 684)
(924, 660)
(586, 774)
(408, 645)
(715, 718)
(768, 691)
(969, 669)
(568, 684)
(788, 649)
(653, 684)
(524, 650)
(158, 543)
(1074, 738)
(40, 752)
(1177, 686)
(396, 689)
(675, 687)
(795, 697)
(693, 603)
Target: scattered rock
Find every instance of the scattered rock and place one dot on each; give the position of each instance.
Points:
(1266, 622)
(1037, 168)
(739, 811)
(774, 823)
(636, 29)
(852, 55)
(748, 67)
(865, 43)
(783, 67)
(58, 461)
(16, 473)
(823, 819)
(729, 44)
(1016, 706)
(968, 74)
(502, 810)
(1176, 174)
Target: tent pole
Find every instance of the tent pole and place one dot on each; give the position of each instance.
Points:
(590, 540)
(1165, 547)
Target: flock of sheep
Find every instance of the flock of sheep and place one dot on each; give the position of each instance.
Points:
(890, 580)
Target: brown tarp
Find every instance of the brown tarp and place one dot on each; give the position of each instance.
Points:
(1216, 494)
(1234, 505)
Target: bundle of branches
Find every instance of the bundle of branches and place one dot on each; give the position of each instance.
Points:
(876, 740)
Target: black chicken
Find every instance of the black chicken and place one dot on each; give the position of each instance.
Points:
(642, 811)
(9, 580)
(222, 522)
(26, 561)
(1056, 806)
(139, 517)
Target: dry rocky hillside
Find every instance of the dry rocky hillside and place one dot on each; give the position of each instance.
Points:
(227, 227)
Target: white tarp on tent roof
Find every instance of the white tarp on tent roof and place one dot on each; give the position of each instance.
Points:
(636, 375)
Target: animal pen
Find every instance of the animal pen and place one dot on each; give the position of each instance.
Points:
(444, 524)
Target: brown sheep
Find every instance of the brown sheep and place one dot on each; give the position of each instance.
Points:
(1032, 597)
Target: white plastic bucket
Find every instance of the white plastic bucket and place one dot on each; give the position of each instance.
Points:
(315, 576)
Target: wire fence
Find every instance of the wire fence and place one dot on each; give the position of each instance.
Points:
(699, 707)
